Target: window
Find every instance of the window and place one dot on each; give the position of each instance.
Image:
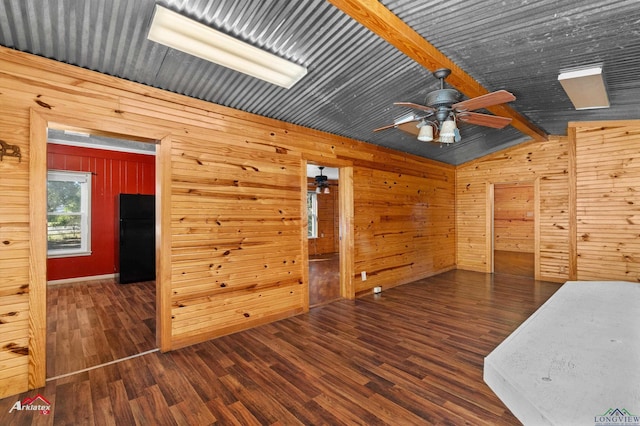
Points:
(68, 213)
(312, 214)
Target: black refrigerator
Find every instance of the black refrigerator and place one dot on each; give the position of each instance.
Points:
(136, 238)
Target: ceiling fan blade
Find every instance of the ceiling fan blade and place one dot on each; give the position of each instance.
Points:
(410, 128)
(416, 106)
(490, 99)
(385, 127)
(409, 119)
(495, 121)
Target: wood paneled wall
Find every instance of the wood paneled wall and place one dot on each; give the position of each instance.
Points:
(231, 190)
(608, 200)
(546, 163)
(404, 226)
(587, 222)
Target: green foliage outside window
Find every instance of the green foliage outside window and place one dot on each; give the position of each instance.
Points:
(68, 195)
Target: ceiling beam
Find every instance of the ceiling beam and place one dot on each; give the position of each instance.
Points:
(381, 21)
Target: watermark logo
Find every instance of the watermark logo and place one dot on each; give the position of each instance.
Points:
(37, 403)
(617, 417)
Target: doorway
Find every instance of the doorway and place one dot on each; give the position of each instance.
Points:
(514, 229)
(38, 321)
(92, 318)
(323, 236)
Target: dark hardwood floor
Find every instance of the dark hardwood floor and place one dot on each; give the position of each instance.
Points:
(95, 322)
(514, 263)
(324, 279)
(410, 355)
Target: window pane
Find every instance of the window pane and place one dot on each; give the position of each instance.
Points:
(63, 197)
(68, 213)
(312, 215)
(64, 232)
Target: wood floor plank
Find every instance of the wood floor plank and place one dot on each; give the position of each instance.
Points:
(189, 412)
(95, 322)
(411, 355)
(150, 408)
(120, 402)
(103, 412)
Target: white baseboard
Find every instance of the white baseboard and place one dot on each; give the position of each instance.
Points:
(79, 279)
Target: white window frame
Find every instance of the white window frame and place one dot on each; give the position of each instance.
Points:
(84, 178)
(312, 231)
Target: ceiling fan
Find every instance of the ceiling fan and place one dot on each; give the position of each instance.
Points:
(444, 109)
(321, 182)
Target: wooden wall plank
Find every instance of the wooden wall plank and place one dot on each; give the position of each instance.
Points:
(37, 251)
(396, 227)
(607, 220)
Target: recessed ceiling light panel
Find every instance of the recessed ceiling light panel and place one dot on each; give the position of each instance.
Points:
(179, 32)
(585, 87)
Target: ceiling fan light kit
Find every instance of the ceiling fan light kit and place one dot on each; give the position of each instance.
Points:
(448, 131)
(444, 109)
(426, 132)
(181, 33)
(322, 183)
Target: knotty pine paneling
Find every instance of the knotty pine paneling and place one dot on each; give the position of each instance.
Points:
(404, 226)
(546, 162)
(249, 267)
(14, 250)
(232, 231)
(608, 200)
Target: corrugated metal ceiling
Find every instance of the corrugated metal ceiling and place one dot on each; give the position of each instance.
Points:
(354, 76)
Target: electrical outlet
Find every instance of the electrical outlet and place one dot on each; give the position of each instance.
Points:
(364, 275)
(377, 290)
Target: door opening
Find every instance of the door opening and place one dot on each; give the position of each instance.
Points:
(323, 236)
(92, 317)
(514, 229)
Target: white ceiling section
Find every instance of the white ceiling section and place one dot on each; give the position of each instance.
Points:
(354, 75)
(330, 172)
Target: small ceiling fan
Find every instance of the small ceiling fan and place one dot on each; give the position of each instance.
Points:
(321, 182)
(444, 109)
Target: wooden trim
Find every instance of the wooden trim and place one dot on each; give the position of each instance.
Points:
(377, 18)
(323, 160)
(455, 220)
(347, 238)
(304, 241)
(37, 251)
(38, 216)
(346, 222)
(536, 228)
(573, 204)
(489, 230)
(163, 245)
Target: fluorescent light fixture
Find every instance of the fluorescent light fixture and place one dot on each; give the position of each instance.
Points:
(184, 34)
(585, 87)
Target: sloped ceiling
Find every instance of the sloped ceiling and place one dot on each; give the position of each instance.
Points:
(361, 55)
